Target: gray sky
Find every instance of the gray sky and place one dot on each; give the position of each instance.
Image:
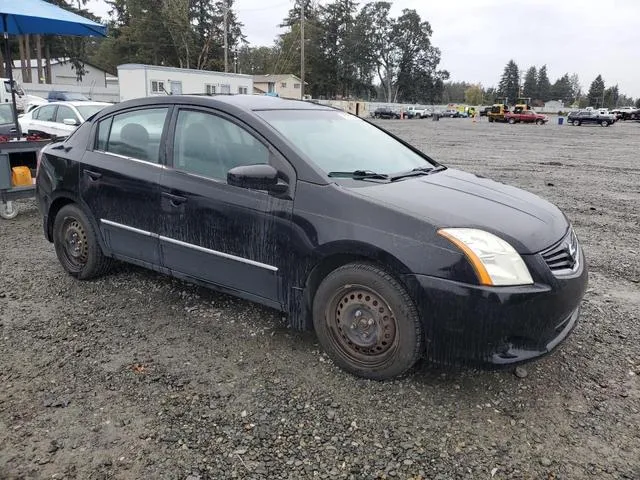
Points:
(478, 37)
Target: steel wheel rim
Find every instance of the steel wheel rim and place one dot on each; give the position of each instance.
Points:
(74, 243)
(362, 326)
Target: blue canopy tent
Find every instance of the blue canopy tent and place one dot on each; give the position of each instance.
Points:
(37, 17)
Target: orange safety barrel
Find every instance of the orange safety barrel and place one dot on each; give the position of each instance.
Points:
(21, 177)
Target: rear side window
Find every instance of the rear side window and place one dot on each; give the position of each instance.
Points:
(134, 134)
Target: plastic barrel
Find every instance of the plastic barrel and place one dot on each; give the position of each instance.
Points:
(560, 120)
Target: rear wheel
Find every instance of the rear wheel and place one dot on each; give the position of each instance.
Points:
(77, 245)
(604, 123)
(366, 322)
(512, 121)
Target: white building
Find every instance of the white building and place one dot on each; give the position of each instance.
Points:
(62, 73)
(138, 80)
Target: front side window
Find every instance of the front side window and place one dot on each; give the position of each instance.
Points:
(135, 134)
(65, 112)
(339, 142)
(209, 145)
(88, 111)
(46, 113)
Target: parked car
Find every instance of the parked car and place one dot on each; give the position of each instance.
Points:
(418, 112)
(526, 116)
(322, 215)
(7, 124)
(590, 116)
(385, 112)
(58, 119)
(62, 96)
(453, 114)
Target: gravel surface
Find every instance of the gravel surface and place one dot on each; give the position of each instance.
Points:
(138, 376)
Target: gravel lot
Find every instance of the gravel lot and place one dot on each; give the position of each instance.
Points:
(138, 376)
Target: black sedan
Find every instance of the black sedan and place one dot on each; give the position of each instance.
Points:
(385, 113)
(387, 254)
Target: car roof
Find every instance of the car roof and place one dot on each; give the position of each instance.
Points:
(242, 102)
(77, 103)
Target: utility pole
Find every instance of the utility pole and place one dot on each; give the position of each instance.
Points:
(226, 35)
(302, 48)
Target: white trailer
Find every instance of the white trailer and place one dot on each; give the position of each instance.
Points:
(138, 80)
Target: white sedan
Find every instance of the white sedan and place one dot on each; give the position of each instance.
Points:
(58, 119)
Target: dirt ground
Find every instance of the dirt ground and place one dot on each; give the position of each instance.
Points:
(138, 376)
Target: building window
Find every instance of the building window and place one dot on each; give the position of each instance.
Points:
(243, 90)
(296, 85)
(157, 86)
(283, 85)
(209, 89)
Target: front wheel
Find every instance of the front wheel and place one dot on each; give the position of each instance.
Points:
(604, 123)
(77, 245)
(539, 122)
(366, 322)
(8, 210)
(576, 123)
(512, 121)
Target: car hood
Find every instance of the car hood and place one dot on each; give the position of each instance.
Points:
(452, 198)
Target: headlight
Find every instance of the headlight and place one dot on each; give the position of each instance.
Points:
(494, 260)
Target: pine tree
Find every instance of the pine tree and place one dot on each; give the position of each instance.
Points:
(544, 85)
(596, 92)
(509, 86)
(530, 86)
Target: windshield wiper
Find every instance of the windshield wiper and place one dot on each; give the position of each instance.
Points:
(417, 172)
(360, 175)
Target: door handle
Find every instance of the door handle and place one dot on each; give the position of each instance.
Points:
(175, 200)
(93, 175)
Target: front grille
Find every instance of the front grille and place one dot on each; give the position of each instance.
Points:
(563, 257)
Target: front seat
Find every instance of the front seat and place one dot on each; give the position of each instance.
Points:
(134, 140)
(199, 153)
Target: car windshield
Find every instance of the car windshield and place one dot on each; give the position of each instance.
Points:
(6, 113)
(339, 142)
(87, 111)
(16, 87)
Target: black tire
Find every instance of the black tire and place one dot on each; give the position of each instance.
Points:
(77, 245)
(384, 337)
(539, 122)
(512, 121)
(604, 123)
(490, 119)
(576, 123)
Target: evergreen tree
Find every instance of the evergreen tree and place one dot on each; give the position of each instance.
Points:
(544, 85)
(562, 89)
(596, 92)
(530, 86)
(509, 86)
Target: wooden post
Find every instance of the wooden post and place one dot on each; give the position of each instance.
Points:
(47, 63)
(23, 69)
(27, 51)
(39, 58)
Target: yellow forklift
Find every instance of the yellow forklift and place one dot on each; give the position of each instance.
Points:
(496, 114)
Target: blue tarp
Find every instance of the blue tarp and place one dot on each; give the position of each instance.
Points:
(19, 17)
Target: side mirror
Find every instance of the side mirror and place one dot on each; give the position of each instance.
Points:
(70, 121)
(256, 177)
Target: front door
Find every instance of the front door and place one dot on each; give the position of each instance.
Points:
(119, 183)
(176, 88)
(229, 236)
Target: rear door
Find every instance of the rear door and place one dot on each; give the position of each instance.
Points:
(119, 182)
(43, 120)
(211, 231)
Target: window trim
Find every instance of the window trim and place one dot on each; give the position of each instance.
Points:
(55, 113)
(93, 136)
(158, 90)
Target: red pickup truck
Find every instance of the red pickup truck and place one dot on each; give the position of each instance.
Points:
(526, 116)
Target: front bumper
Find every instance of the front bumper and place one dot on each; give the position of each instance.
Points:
(497, 325)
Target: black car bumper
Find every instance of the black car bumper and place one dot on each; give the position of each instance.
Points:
(496, 325)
